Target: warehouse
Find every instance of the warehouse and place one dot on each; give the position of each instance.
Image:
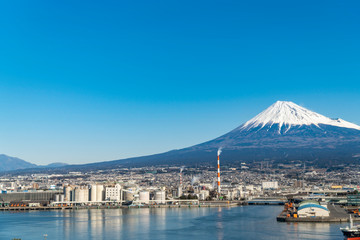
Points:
(312, 209)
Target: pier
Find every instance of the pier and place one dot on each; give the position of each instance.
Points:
(337, 214)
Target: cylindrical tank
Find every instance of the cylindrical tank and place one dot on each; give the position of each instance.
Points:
(93, 193)
(77, 194)
(57, 198)
(85, 194)
(67, 192)
(129, 193)
(100, 193)
(61, 197)
(81, 194)
(129, 196)
(144, 197)
(160, 197)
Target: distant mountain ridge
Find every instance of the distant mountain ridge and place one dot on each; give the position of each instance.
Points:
(55, 164)
(8, 163)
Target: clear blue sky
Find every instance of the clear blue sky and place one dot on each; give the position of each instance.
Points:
(87, 81)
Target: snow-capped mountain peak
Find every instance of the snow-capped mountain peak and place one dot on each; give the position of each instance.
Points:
(285, 113)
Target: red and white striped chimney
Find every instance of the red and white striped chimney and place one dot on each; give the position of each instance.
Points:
(218, 172)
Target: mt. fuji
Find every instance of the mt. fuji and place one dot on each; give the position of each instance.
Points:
(288, 114)
(282, 133)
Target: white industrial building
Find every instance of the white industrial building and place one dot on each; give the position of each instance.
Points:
(113, 193)
(312, 209)
(203, 194)
(270, 185)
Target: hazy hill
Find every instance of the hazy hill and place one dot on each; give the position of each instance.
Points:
(8, 163)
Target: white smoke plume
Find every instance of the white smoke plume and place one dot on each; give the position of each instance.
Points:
(182, 169)
(214, 183)
(194, 180)
(219, 151)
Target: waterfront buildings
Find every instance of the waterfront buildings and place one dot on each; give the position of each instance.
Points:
(150, 185)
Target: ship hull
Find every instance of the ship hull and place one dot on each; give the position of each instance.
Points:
(351, 235)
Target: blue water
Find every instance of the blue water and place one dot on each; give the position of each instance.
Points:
(247, 222)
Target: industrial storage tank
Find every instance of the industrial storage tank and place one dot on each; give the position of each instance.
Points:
(144, 197)
(129, 196)
(67, 192)
(160, 197)
(99, 193)
(129, 193)
(93, 192)
(62, 197)
(81, 194)
(85, 194)
(77, 193)
(57, 198)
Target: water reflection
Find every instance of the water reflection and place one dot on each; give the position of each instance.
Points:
(219, 225)
(249, 222)
(309, 230)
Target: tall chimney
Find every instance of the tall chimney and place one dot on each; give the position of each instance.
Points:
(218, 174)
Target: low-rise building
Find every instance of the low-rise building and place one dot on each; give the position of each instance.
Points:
(113, 193)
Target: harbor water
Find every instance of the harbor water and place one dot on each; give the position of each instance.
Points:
(245, 222)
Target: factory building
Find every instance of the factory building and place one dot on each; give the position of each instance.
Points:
(29, 196)
(113, 193)
(270, 185)
(312, 209)
(203, 194)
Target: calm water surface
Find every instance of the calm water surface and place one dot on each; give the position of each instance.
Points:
(247, 222)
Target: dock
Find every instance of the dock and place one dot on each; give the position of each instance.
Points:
(337, 214)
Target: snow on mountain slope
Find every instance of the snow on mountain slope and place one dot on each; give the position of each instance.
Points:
(289, 114)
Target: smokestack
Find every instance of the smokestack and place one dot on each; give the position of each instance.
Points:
(218, 171)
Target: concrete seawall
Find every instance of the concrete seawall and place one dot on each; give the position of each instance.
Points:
(201, 205)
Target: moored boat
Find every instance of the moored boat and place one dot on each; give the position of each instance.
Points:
(351, 232)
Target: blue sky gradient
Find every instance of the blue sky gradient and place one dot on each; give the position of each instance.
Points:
(90, 81)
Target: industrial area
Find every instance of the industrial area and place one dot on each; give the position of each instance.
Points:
(307, 194)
